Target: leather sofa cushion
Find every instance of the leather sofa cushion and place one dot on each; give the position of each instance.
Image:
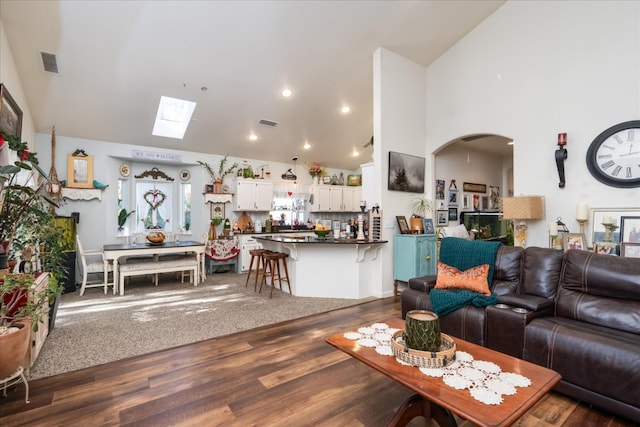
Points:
(599, 359)
(507, 269)
(541, 272)
(601, 289)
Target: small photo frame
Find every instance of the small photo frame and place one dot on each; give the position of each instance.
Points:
(604, 248)
(574, 241)
(79, 171)
(427, 224)
(402, 223)
(453, 214)
(208, 188)
(442, 217)
(630, 229)
(217, 211)
(467, 201)
(439, 189)
(453, 197)
(630, 250)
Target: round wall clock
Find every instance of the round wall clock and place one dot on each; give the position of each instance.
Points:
(613, 157)
(124, 170)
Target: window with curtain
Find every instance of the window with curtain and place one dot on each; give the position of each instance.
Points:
(154, 201)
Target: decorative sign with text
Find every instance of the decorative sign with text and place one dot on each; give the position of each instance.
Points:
(157, 156)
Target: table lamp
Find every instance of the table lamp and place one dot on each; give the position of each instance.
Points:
(520, 209)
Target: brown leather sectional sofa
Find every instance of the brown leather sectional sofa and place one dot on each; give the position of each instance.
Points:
(577, 313)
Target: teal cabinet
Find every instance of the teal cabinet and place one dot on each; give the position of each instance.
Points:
(414, 255)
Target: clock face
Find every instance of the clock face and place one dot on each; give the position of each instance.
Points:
(613, 157)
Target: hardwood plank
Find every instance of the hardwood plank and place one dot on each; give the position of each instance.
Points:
(282, 374)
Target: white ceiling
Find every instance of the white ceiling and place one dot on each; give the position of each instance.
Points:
(116, 58)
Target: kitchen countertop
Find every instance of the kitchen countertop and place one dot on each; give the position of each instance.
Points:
(314, 240)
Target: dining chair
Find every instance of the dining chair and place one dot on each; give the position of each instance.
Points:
(92, 267)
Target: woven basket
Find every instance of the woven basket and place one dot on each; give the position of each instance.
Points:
(424, 359)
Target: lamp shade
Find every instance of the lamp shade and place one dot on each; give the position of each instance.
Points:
(525, 207)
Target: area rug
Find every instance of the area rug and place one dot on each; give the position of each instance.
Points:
(97, 328)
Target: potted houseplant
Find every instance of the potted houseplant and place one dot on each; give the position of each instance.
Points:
(122, 219)
(223, 171)
(420, 206)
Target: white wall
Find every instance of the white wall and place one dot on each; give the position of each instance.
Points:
(532, 70)
(398, 111)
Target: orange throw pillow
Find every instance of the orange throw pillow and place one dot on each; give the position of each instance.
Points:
(473, 279)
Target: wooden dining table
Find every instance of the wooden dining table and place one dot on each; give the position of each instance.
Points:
(114, 252)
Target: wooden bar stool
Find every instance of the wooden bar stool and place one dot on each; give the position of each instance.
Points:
(272, 264)
(258, 255)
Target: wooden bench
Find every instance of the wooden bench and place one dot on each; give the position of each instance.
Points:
(156, 267)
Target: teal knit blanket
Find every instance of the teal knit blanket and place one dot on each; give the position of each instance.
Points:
(464, 254)
(444, 301)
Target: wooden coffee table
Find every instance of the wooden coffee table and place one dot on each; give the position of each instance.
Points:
(436, 400)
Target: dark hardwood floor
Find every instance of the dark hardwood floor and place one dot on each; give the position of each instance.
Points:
(279, 375)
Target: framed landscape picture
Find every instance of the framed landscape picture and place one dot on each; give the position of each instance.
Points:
(10, 113)
(406, 173)
(597, 215)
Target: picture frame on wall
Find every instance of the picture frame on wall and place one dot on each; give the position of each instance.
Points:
(402, 223)
(467, 201)
(597, 215)
(79, 171)
(453, 197)
(574, 241)
(470, 187)
(442, 217)
(453, 214)
(494, 198)
(10, 113)
(427, 224)
(217, 211)
(406, 173)
(630, 229)
(439, 189)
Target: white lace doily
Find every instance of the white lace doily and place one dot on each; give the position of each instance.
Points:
(485, 380)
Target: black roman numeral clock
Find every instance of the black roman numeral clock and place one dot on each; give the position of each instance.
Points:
(613, 157)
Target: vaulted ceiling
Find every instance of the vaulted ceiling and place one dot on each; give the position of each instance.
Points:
(116, 58)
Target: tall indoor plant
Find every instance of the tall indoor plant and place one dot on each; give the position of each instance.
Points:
(420, 207)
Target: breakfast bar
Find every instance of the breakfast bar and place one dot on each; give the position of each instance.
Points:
(330, 268)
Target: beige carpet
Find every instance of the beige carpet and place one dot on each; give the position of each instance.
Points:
(97, 328)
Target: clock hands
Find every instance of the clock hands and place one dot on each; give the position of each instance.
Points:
(629, 154)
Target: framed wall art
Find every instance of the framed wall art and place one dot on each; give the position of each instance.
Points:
(402, 223)
(442, 217)
(453, 214)
(79, 171)
(605, 248)
(10, 113)
(494, 198)
(630, 229)
(439, 189)
(406, 173)
(217, 211)
(453, 197)
(474, 188)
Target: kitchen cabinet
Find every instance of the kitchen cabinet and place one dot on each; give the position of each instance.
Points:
(247, 243)
(332, 198)
(253, 195)
(414, 255)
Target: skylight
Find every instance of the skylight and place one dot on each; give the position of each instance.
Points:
(173, 117)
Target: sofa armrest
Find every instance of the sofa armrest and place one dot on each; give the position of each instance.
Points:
(530, 302)
(423, 284)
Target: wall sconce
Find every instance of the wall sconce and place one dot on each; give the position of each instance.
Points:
(522, 208)
(561, 156)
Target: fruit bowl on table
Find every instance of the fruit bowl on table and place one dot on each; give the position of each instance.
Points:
(322, 234)
(156, 238)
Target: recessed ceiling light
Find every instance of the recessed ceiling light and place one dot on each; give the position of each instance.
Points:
(306, 146)
(355, 153)
(286, 93)
(345, 109)
(510, 143)
(173, 117)
(253, 137)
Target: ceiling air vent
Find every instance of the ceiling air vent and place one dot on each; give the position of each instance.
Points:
(49, 61)
(265, 122)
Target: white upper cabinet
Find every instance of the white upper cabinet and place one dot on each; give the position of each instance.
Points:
(332, 198)
(253, 195)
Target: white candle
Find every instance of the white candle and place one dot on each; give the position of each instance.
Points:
(606, 219)
(614, 221)
(582, 211)
(553, 228)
